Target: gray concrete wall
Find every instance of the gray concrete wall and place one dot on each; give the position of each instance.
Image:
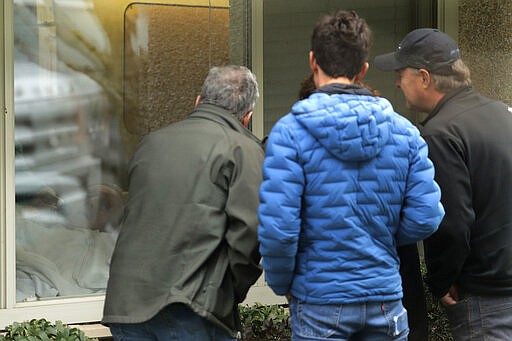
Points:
(485, 39)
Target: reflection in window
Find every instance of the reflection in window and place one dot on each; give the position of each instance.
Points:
(80, 110)
(69, 159)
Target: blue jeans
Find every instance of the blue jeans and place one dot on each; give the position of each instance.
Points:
(176, 322)
(479, 318)
(379, 321)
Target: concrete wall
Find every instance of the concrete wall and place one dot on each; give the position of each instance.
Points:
(485, 39)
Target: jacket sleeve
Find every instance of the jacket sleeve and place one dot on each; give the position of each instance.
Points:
(422, 210)
(447, 250)
(241, 209)
(279, 211)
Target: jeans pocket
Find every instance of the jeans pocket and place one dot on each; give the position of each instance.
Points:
(396, 315)
(315, 320)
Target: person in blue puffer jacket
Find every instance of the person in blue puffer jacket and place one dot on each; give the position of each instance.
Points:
(345, 181)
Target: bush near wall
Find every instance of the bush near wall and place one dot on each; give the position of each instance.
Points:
(41, 329)
(265, 323)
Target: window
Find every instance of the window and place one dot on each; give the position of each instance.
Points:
(91, 77)
(69, 159)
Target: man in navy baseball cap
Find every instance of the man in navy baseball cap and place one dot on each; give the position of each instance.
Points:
(424, 48)
(469, 258)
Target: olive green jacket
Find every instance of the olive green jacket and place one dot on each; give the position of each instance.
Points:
(189, 232)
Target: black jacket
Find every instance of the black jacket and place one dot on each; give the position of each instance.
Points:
(189, 232)
(470, 142)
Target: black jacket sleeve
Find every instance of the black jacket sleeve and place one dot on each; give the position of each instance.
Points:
(448, 248)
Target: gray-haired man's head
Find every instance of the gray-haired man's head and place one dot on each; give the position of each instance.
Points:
(232, 87)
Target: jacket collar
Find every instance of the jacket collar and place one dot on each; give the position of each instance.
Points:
(340, 88)
(223, 117)
(447, 97)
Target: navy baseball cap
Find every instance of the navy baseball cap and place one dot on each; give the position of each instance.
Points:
(423, 48)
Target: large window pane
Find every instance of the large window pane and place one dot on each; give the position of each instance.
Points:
(68, 153)
(91, 78)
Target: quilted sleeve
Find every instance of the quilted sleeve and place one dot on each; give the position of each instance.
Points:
(422, 210)
(279, 210)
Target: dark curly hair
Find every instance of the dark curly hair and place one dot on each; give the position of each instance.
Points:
(341, 43)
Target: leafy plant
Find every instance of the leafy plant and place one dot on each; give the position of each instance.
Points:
(41, 329)
(265, 323)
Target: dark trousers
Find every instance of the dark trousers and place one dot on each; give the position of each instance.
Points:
(480, 318)
(414, 293)
(176, 322)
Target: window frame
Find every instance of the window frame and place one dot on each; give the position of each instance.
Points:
(257, 63)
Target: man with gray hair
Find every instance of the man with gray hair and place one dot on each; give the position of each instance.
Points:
(469, 259)
(187, 252)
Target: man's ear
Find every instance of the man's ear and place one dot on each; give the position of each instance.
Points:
(198, 98)
(362, 73)
(426, 80)
(247, 119)
(312, 62)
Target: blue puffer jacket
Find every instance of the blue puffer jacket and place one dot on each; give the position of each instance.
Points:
(345, 180)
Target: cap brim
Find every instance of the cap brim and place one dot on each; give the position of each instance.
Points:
(388, 62)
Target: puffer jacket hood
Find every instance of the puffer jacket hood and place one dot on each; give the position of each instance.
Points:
(352, 127)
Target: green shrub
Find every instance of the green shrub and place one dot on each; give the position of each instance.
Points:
(265, 323)
(41, 329)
